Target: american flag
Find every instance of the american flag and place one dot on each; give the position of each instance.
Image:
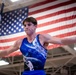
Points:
(55, 17)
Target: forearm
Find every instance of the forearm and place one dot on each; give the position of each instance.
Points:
(9, 50)
(71, 40)
(3, 53)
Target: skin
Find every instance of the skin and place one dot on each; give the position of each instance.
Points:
(45, 39)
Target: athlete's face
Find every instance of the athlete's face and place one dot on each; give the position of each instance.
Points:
(29, 28)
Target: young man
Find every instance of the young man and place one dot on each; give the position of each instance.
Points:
(34, 47)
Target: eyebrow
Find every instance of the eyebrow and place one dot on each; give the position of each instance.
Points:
(27, 24)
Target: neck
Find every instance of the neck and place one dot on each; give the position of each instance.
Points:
(31, 37)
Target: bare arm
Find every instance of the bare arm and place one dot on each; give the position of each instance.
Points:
(10, 50)
(55, 40)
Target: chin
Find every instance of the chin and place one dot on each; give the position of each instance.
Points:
(28, 33)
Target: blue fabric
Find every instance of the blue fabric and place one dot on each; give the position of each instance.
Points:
(34, 54)
(35, 72)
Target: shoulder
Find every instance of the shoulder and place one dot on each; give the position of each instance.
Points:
(18, 42)
(43, 39)
(45, 36)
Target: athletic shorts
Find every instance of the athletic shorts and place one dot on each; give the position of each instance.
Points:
(35, 72)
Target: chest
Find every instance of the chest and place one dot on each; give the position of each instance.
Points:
(32, 49)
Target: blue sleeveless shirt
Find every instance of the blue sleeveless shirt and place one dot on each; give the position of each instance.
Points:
(34, 54)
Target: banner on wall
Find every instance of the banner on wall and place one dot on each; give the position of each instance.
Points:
(57, 18)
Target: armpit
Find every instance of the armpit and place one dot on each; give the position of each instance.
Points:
(45, 45)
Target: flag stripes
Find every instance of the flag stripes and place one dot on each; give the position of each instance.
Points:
(55, 17)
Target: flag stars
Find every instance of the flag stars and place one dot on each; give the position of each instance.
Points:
(20, 10)
(7, 20)
(22, 27)
(9, 32)
(18, 13)
(8, 16)
(10, 13)
(25, 13)
(3, 17)
(14, 26)
(4, 23)
(12, 22)
(7, 26)
(4, 28)
(4, 33)
(20, 20)
(14, 31)
(15, 11)
(5, 14)
(25, 8)
(15, 21)
(0, 28)
(19, 30)
(17, 17)
(19, 24)
(22, 16)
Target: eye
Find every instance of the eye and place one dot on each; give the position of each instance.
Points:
(29, 24)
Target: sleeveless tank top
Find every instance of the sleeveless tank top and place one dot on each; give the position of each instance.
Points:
(34, 54)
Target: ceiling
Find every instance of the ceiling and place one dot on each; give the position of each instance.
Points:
(8, 5)
(57, 57)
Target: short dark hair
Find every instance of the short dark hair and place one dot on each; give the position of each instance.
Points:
(30, 19)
